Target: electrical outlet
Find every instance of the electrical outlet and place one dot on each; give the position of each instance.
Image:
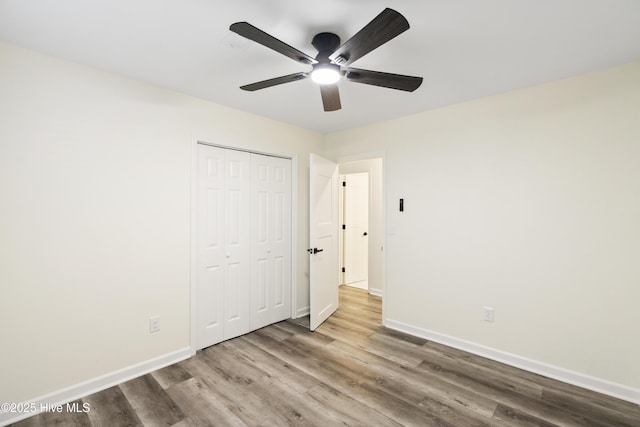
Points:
(488, 314)
(154, 324)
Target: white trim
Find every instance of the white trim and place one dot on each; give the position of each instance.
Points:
(301, 312)
(579, 379)
(246, 150)
(375, 292)
(294, 236)
(86, 388)
(193, 267)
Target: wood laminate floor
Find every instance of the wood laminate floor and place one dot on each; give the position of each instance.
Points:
(351, 371)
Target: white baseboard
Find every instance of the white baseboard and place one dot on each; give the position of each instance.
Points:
(77, 391)
(599, 385)
(301, 312)
(375, 292)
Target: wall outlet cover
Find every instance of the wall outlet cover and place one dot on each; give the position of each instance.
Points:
(488, 314)
(154, 324)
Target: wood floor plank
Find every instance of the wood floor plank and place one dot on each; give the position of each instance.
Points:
(401, 336)
(277, 395)
(110, 407)
(151, 403)
(393, 353)
(349, 410)
(227, 388)
(201, 405)
(555, 389)
(610, 415)
(519, 418)
(277, 333)
(357, 325)
(364, 308)
(304, 333)
(171, 375)
(349, 293)
(340, 378)
(296, 379)
(471, 368)
(461, 408)
(512, 399)
(339, 330)
(514, 373)
(447, 393)
(354, 372)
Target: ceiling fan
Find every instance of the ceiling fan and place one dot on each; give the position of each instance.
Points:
(333, 60)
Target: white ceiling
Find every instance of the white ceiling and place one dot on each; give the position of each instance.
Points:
(464, 49)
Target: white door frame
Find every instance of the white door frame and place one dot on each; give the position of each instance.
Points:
(371, 156)
(193, 167)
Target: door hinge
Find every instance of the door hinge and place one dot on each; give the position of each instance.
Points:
(344, 183)
(343, 269)
(344, 227)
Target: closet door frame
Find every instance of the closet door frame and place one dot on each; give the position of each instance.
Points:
(193, 163)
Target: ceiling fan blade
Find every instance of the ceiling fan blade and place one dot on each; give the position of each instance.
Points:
(389, 80)
(250, 32)
(330, 97)
(275, 81)
(384, 27)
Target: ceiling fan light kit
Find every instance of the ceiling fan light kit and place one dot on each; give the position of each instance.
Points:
(333, 59)
(325, 74)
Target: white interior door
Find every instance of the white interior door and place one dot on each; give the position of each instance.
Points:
(356, 222)
(323, 229)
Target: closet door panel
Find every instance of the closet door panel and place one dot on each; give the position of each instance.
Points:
(280, 244)
(260, 275)
(237, 247)
(261, 232)
(271, 240)
(210, 245)
(279, 282)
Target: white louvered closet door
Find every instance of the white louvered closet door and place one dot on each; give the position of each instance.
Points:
(270, 240)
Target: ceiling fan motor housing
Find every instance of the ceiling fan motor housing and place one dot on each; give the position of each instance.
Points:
(325, 44)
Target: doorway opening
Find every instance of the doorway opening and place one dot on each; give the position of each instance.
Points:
(362, 214)
(325, 235)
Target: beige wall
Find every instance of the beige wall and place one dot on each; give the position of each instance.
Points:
(527, 202)
(95, 217)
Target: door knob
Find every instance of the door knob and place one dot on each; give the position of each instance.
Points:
(314, 250)
(365, 233)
